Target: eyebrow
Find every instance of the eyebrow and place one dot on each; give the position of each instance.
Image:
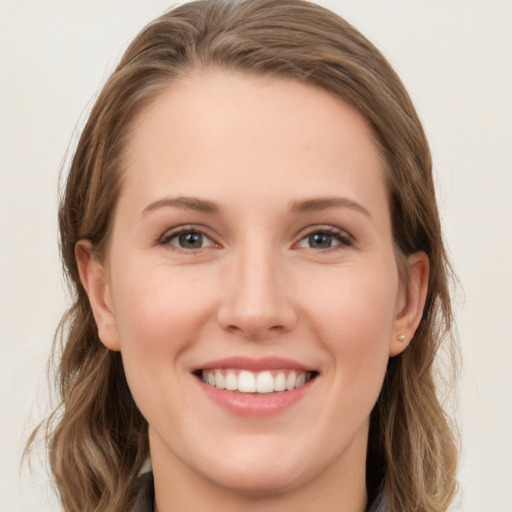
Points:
(302, 206)
(190, 203)
(322, 203)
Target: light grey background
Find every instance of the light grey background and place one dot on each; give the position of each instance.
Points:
(455, 57)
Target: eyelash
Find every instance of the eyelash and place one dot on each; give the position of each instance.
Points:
(343, 238)
(166, 239)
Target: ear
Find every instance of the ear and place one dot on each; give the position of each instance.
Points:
(94, 279)
(410, 303)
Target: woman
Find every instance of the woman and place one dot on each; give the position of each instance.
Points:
(251, 230)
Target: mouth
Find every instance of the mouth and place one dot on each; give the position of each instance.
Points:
(256, 388)
(260, 382)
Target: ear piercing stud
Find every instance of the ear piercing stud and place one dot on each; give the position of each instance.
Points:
(401, 337)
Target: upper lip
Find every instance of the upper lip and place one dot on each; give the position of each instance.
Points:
(255, 364)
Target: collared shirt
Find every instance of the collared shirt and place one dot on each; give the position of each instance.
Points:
(145, 501)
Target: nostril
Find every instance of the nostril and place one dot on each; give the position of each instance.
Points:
(255, 330)
(256, 315)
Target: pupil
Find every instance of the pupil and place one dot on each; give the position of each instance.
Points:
(320, 241)
(191, 240)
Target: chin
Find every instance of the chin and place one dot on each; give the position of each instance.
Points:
(260, 471)
(261, 479)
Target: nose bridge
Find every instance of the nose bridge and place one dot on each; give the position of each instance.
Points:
(255, 300)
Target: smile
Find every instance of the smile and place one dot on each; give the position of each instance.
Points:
(245, 381)
(256, 388)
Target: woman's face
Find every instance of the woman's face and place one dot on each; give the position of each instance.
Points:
(252, 248)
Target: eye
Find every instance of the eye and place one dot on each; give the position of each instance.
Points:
(187, 239)
(326, 238)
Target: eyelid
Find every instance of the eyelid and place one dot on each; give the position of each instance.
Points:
(346, 239)
(187, 228)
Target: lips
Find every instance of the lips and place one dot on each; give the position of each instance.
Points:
(255, 387)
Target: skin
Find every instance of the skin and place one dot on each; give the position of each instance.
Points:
(255, 147)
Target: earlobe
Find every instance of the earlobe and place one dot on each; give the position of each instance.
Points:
(95, 282)
(409, 314)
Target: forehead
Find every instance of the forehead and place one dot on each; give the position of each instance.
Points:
(226, 133)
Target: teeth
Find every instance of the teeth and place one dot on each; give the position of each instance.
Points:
(231, 381)
(301, 380)
(264, 382)
(280, 382)
(245, 381)
(219, 380)
(290, 381)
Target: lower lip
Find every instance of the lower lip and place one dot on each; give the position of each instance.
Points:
(256, 405)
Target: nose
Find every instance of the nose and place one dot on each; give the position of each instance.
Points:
(256, 299)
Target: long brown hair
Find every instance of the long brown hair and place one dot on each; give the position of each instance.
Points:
(97, 438)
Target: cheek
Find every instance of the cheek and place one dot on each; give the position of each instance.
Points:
(158, 318)
(159, 315)
(354, 318)
(156, 307)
